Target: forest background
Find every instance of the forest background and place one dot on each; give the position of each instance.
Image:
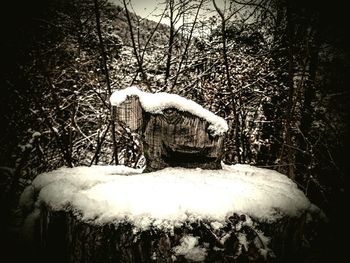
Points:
(276, 70)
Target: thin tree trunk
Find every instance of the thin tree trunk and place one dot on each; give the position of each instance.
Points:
(311, 51)
(136, 53)
(109, 89)
(228, 78)
(187, 45)
(99, 145)
(171, 41)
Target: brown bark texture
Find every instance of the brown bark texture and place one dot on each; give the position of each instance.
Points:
(66, 238)
(172, 139)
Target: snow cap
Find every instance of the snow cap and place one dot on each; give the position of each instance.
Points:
(170, 197)
(157, 102)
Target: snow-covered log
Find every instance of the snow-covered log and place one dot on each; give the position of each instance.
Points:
(116, 214)
(175, 132)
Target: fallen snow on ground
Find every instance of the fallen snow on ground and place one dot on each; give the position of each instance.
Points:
(190, 249)
(169, 197)
(157, 102)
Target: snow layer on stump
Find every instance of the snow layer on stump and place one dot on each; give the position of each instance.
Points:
(157, 102)
(167, 198)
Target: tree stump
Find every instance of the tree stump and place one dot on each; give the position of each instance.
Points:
(114, 214)
(66, 238)
(171, 139)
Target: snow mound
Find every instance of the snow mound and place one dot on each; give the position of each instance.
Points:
(190, 250)
(157, 102)
(171, 196)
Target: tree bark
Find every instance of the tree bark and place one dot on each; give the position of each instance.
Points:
(65, 238)
(180, 139)
(173, 138)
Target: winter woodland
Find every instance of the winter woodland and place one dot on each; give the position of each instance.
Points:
(270, 74)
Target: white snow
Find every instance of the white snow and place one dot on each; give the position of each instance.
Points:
(171, 196)
(216, 225)
(190, 250)
(243, 241)
(157, 102)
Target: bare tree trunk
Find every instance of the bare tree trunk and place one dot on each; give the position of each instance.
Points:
(286, 156)
(151, 35)
(100, 141)
(183, 58)
(229, 84)
(109, 89)
(171, 41)
(310, 53)
(139, 58)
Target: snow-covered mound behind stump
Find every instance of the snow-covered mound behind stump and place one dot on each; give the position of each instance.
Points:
(117, 214)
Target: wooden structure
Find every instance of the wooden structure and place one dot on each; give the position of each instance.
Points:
(173, 138)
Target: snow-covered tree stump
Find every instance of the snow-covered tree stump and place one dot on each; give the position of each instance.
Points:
(117, 214)
(186, 209)
(175, 132)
